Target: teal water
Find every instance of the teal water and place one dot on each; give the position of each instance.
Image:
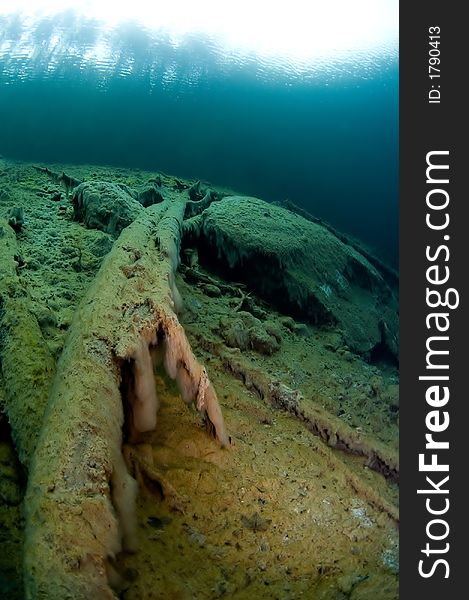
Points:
(325, 138)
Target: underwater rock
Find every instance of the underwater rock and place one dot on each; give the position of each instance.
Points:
(273, 330)
(213, 291)
(288, 323)
(300, 267)
(263, 342)
(234, 333)
(105, 206)
(246, 332)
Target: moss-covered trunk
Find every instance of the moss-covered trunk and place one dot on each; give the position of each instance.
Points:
(79, 501)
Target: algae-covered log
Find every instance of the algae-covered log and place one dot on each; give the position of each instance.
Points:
(26, 364)
(63, 178)
(79, 499)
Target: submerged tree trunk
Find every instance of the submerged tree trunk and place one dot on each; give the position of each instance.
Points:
(79, 501)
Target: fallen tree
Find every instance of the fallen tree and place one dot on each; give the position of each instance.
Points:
(79, 502)
(79, 505)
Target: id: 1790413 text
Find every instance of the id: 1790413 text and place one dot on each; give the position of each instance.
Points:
(434, 71)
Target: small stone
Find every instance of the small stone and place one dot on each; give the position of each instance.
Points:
(288, 323)
(211, 290)
(262, 342)
(274, 330)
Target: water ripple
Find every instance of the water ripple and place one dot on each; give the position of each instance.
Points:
(32, 48)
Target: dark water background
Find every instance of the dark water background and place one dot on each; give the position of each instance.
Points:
(326, 139)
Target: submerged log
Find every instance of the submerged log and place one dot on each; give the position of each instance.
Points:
(69, 182)
(79, 502)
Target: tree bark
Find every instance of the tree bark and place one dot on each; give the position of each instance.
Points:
(79, 502)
